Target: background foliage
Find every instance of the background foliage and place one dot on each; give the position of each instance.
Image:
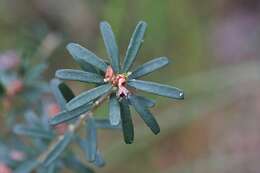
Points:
(213, 49)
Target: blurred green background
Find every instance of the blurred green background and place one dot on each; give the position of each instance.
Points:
(214, 51)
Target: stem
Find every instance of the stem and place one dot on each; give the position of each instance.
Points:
(71, 129)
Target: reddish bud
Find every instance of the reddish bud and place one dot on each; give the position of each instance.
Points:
(53, 109)
(14, 87)
(17, 155)
(4, 168)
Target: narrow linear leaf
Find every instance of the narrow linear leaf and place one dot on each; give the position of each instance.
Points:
(146, 101)
(32, 131)
(114, 110)
(51, 168)
(88, 96)
(58, 148)
(92, 139)
(134, 45)
(127, 124)
(155, 88)
(145, 114)
(65, 116)
(27, 166)
(99, 162)
(78, 75)
(79, 52)
(32, 119)
(111, 46)
(149, 67)
(105, 124)
(61, 92)
(85, 66)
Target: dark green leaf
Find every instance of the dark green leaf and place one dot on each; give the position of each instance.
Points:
(99, 162)
(61, 92)
(111, 46)
(57, 149)
(149, 67)
(127, 124)
(32, 131)
(65, 116)
(134, 45)
(105, 124)
(145, 101)
(145, 114)
(92, 139)
(79, 52)
(2, 90)
(155, 88)
(114, 110)
(27, 166)
(88, 96)
(77, 75)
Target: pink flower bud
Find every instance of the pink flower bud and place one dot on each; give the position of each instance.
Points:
(4, 168)
(14, 87)
(53, 109)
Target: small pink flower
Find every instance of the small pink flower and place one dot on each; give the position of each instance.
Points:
(53, 109)
(17, 155)
(4, 168)
(9, 60)
(109, 76)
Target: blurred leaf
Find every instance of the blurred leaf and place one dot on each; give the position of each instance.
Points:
(127, 124)
(88, 96)
(32, 131)
(145, 114)
(78, 75)
(92, 139)
(134, 45)
(58, 148)
(111, 46)
(114, 110)
(35, 72)
(156, 88)
(99, 161)
(75, 164)
(27, 166)
(69, 115)
(32, 119)
(79, 52)
(149, 67)
(105, 124)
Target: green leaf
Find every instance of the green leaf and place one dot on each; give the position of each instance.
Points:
(78, 75)
(88, 96)
(155, 88)
(127, 124)
(32, 131)
(65, 115)
(27, 166)
(58, 148)
(35, 72)
(99, 162)
(145, 101)
(92, 139)
(114, 110)
(134, 45)
(105, 124)
(79, 52)
(111, 46)
(145, 114)
(61, 92)
(149, 67)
